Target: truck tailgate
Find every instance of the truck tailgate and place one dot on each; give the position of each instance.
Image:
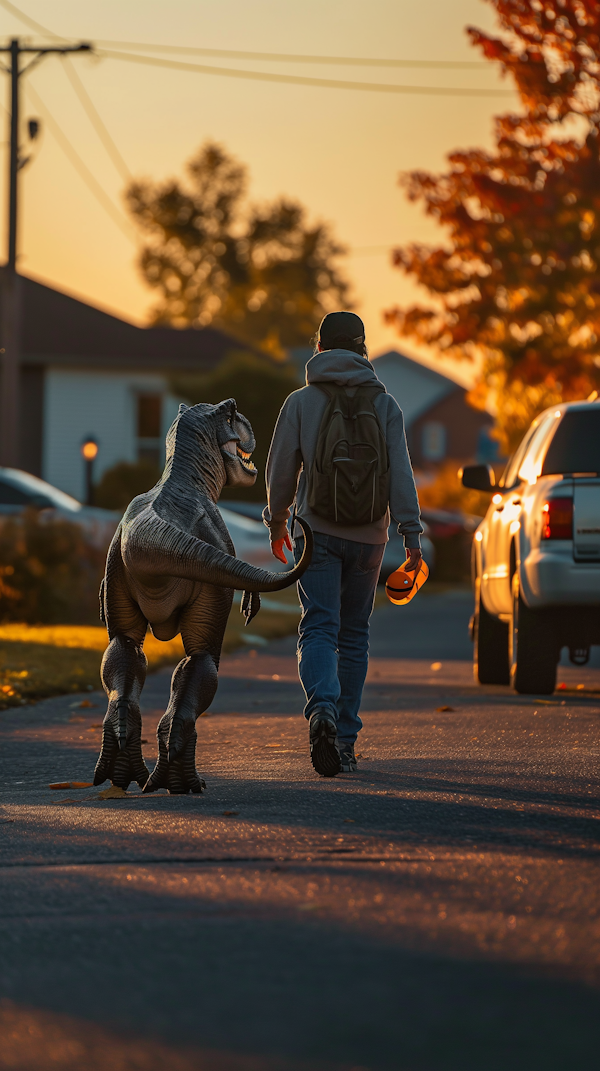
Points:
(586, 521)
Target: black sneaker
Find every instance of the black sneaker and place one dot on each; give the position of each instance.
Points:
(348, 758)
(324, 751)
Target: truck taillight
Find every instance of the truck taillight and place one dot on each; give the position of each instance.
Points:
(557, 518)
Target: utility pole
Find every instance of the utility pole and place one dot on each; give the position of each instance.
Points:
(11, 290)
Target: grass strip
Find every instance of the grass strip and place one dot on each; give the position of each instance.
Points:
(37, 661)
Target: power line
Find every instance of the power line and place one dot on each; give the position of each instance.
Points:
(96, 120)
(83, 171)
(287, 57)
(296, 79)
(84, 97)
(278, 57)
(33, 25)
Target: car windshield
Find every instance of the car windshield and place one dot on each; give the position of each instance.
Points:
(576, 445)
(30, 487)
(531, 465)
(509, 476)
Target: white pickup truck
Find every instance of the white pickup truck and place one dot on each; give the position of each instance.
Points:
(536, 554)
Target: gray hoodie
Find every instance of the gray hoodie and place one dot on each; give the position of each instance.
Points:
(293, 449)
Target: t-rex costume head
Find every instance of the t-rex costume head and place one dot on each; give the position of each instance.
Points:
(172, 566)
(196, 432)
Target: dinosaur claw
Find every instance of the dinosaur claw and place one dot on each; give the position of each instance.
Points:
(175, 769)
(121, 760)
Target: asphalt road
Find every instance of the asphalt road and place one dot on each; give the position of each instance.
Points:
(437, 911)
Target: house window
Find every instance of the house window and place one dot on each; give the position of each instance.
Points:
(434, 441)
(149, 427)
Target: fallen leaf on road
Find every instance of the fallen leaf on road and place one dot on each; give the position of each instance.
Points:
(112, 793)
(349, 820)
(230, 812)
(443, 710)
(72, 784)
(68, 799)
(436, 665)
(82, 703)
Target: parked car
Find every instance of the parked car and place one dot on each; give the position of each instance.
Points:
(250, 539)
(536, 554)
(20, 491)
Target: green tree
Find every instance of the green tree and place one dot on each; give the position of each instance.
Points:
(262, 272)
(260, 387)
(515, 281)
(124, 482)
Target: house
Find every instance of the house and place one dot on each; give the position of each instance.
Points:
(440, 424)
(87, 374)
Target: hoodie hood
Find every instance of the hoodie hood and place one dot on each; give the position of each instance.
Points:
(343, 367)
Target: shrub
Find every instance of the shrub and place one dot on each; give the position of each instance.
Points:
(260, 387)
(50, 572)
(124, 481)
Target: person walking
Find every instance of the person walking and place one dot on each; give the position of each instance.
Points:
(339, 450)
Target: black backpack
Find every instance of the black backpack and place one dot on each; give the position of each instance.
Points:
(349, 481)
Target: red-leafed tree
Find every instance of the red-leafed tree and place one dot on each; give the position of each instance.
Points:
(516, 281)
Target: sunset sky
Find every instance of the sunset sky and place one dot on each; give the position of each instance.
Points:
(338, 151)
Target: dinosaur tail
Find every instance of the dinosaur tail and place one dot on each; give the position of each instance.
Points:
(165, 550)
(250, 578)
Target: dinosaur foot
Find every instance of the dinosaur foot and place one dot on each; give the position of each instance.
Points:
(177, 773)
(121, 759)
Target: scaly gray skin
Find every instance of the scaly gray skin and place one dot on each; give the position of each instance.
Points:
(172, 565)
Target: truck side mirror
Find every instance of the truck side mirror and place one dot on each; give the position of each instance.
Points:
(478, 477)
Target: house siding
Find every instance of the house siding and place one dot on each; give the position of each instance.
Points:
(99, 404)
(462, 425)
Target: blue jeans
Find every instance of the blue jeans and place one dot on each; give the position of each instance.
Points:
(337, 593)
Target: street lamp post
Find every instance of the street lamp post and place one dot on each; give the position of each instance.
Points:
(89, 452)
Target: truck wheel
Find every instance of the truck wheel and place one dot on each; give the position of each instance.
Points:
(490, 653)
(533, 648)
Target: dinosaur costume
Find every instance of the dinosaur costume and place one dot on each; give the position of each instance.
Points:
(172, 565)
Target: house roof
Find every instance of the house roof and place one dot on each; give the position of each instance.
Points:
(59, 329)
(415, 387)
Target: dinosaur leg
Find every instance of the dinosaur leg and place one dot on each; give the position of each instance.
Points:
(123, 674)
(193, 688)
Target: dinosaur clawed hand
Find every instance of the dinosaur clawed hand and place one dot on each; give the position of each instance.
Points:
(250, 605)
(176, 766)
(121, 758)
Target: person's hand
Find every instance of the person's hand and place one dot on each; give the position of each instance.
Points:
(277, 546)
(413, 557)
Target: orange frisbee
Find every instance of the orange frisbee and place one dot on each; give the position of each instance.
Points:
(402, 586)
